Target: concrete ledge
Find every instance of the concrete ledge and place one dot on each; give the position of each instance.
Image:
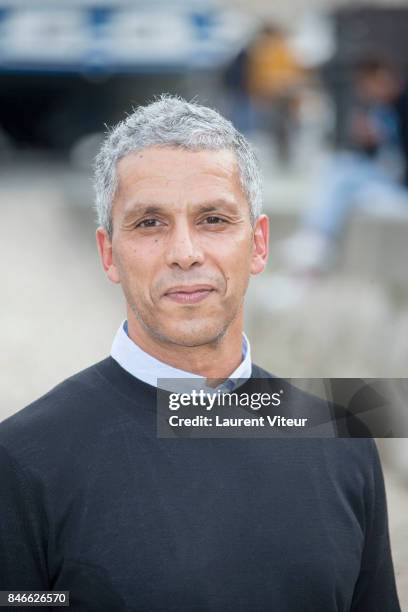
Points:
(376, 246)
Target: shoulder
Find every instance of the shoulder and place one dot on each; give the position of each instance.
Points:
(338, 417)
(68, 409)
(258, 372)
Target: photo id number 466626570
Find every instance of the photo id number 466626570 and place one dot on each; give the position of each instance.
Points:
(34, 598)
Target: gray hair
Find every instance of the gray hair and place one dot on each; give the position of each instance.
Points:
(171, 121)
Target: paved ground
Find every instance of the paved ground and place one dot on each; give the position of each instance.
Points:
(58, 314)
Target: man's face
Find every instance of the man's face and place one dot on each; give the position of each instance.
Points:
(183, 247)
(380, 87)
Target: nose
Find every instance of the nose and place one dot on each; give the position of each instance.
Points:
(184, 249)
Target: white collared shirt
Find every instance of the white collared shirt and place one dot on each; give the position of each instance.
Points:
(147, 368)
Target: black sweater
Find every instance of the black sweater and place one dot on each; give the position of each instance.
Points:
(94, 503)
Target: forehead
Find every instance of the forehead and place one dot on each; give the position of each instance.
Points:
(176, 168)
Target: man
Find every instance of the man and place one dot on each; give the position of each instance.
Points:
(94, 502)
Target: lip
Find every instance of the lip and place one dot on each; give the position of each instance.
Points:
(189, 294)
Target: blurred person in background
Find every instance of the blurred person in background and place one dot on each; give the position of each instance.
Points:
(372, 171)
(274, 79)
(240, 112)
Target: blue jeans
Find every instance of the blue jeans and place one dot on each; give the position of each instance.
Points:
(350, 180)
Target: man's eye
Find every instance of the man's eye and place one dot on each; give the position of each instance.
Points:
(213, 220)
(149, 223)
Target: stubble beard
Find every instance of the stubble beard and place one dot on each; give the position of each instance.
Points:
(190, 339)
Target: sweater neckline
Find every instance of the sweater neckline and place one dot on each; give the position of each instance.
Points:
(138, 391)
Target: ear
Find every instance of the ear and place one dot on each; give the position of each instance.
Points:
(260, 245)
(104, 244)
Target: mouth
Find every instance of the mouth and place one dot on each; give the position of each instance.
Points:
(189, 295)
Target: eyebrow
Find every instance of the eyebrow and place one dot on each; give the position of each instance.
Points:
(140, 208)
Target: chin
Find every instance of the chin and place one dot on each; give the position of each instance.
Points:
(193, 335)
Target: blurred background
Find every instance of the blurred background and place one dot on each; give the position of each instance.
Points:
(318, 86)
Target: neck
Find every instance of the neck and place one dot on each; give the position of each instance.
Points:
(216, 360)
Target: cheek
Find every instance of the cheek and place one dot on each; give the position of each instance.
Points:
(233, 256)
(132, 265)
(138, 255)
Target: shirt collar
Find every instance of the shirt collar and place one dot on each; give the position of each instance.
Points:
(147, 368)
